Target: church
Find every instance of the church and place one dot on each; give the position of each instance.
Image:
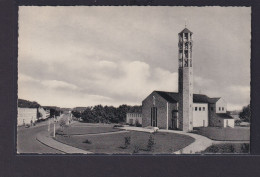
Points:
(184, 110)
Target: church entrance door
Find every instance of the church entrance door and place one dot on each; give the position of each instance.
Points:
(174, 120)
(154, 116)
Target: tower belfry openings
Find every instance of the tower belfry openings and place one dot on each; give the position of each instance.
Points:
(185, 80)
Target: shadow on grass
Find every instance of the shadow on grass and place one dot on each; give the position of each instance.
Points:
(87, 141)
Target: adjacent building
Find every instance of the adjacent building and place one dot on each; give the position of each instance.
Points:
(31, 115)
(134, 118)
(26, 116)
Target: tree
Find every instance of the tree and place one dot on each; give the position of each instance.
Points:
(39, 115)
(245, 115)
(28, 104)
(106, 114)
(62, 123)
(76, 114)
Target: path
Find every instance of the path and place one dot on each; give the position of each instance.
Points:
(27, 142)
(46, 139)
(103, 133)
(200, 143)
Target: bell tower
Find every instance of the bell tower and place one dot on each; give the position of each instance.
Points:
(185, 106)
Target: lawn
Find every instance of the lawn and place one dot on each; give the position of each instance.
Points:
(115, 143)
(224, 134)
(228, 148)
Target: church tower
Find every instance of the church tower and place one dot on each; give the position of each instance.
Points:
(185, 81)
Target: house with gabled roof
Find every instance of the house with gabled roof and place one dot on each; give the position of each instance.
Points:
(184, 110)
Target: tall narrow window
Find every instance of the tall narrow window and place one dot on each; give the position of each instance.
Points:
(153, 100)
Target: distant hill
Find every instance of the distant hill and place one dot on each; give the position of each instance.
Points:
(27, 104)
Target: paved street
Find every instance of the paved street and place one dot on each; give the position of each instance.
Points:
(27, 142)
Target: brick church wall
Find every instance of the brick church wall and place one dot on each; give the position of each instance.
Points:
(161, 105)
(214, 121)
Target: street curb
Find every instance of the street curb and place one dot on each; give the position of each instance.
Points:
(46, 139)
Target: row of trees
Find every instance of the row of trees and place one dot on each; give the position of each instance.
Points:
(245, 115)
(106, 114)
(27, 104)
(33, 104)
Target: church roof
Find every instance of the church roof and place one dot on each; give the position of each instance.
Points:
(185, 30)
(224, 116)
(173, 97)
(199, 98)
(213, 100)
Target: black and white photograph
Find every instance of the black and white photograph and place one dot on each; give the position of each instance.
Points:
(133, 80)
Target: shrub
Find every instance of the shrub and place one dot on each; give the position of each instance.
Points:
(150, 143)
(137, 123)
(127, 141)
(231, 148)
(245, 148)
(87, 141)
(118, 125)
(237, 122)
(136, 149)
(62, 123)
(213, 149)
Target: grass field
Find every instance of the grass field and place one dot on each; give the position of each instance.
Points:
(228, 148)
(115, 143)
(224, 134)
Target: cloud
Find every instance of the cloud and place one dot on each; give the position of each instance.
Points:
(25, 78)
(54, 84)
(116, 55)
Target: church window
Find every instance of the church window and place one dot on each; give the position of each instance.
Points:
(203, 108)
(222, 108)
(154, 100)
(196, 108)
(181, 55)
(186, 54)
(219, 108)
(199, 108)
(186, 62)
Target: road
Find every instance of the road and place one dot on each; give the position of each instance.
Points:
(27, 142)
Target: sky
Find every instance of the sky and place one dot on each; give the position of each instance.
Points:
(84, 56)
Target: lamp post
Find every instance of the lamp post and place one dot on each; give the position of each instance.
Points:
(54, 130)
(49, 124)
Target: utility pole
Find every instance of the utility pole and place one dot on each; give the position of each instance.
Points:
(49, 124)
(54, 130)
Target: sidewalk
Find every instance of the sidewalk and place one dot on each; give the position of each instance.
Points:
(200, 143)
(45, 138)
(140, 129)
